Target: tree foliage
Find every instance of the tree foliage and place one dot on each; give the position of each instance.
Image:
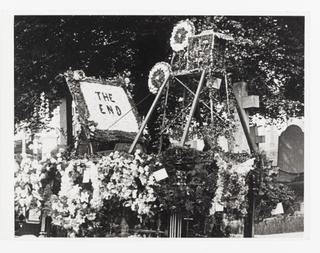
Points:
(267, 53)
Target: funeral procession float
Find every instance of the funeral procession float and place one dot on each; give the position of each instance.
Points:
(192, 183)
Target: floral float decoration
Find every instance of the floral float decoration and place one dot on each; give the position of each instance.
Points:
(158, 74)
(180, 34)
(230, 195)
(93, 193)
(27, 183)
(87, 185)
(130, 179)
(78, 199)
(35, 181)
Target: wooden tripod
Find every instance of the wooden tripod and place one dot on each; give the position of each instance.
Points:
(186, 128)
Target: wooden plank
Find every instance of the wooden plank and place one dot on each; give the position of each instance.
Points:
(193, 108)
(249, 219)
(239, 89)
(135, 141)
(164, 118)
(69, 119)
(125, 146)
(186, 72)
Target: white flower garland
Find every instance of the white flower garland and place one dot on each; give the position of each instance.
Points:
(216, 203)
(180, 34)
(239, 172)
(27, 184)
(74, 205)
(122, 182)
(157, 75)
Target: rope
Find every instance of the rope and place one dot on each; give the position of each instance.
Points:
(185, 86)
(209, 107)
(128, 112)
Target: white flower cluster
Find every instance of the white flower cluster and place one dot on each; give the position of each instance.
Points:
(76, 124)
(216, 202)
(180, 34)
(27, 184)
(114, 176)
(85, 186)
(124, 172)
(42, 110)
(236, 173)
(74, 204)
(243, 168)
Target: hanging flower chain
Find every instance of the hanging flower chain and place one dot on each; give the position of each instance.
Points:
(231, 186)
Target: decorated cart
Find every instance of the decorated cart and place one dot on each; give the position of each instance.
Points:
(193, 186)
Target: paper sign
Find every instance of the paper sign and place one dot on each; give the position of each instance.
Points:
(196, 144)
(105, 107)
(160, 174)
(278, 209)
(109, 107)
(218, 207)
(86, 176)
(214, 83)
(34, 216)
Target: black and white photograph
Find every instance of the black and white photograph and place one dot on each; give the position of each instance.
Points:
(163, 125)
(159, 126)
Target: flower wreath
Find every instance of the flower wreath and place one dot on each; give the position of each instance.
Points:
(180, 34)
(130, 179)
(78, 198)
(158, 74)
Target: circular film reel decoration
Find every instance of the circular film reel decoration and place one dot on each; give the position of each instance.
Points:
(158, 75)
(180, 34)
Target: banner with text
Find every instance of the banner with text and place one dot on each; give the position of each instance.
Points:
(109, 107)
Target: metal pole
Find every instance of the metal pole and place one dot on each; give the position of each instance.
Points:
(249, 219)
(175, 225)
(69, 119)
(170, 226)
(133, 145)
(163, 119)
(242, 115)
(193, 107)
(187, 232)
(23, 151)
(43, 232)
(211, 106)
